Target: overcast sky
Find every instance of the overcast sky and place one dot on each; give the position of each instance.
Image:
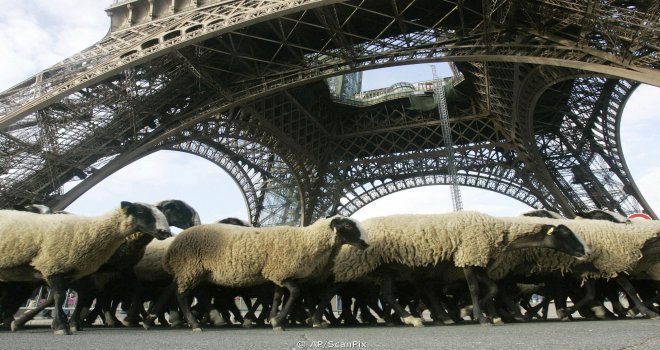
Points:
(36, 34)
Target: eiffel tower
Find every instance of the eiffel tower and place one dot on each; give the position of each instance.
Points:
(269, 90)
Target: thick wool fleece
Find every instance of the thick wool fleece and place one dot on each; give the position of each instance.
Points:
(615, 248)
(463, 238)
(150, 267)
(236, 256)
(34, 245)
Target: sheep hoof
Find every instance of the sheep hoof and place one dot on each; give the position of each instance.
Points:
(448, 322)
(497, 321)
(276, 325)
(466, 312)
(247, 323)
(599, 312)
(14, 326)
(197, 329)
(563, 315)
(216, 318)
(320, 325)
(131, 324)
(414, 321)
(61, 332)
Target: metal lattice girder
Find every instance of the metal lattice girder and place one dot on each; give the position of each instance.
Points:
(371, 31)
(162, 71)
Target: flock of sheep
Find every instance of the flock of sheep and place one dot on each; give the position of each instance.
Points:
(459, 266)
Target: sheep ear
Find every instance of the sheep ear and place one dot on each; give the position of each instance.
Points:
(127, 206)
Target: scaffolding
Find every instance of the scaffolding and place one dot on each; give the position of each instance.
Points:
(441, 101)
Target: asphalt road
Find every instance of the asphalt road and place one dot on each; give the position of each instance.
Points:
(581, 334)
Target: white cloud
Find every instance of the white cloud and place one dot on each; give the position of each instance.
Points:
(38, 34)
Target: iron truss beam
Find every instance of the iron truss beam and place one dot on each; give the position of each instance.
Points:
(224, 75)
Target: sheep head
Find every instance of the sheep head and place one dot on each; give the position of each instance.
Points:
(556, 237)
(348, 231)
(563, 239)
(178, 213)
(147, 219)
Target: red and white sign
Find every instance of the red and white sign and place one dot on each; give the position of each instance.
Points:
(640, 216)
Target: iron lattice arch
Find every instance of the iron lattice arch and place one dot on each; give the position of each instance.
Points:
(532, 71)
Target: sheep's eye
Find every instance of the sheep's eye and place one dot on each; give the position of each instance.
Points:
(550, 231)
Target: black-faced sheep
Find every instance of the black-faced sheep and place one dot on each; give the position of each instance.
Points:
(34, 208)
(60, 249)
(615, 251)
(600, 214)
(467, 240)
(543, 213)
(235, 256)
(120, 267)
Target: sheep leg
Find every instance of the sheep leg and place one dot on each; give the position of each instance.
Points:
(105, 302)
(184, 305)
(294, 293)
(324, 300)
(387, 293)
(490, 294)
(589, 296)
(84, 300)
(13, 296)
(57, 284)
(348, 312)
(132, 315)
(473, 285)
(511, 307)
(430, 299)
(29, 315)
(92, 315)
(266, 305)
(206, 309)
(560, 296)
(372, 303)
(533, 311)
(632, 293)
(278, 294)
(85, 297)
(613, 296)
(157, 308)
(365, 313)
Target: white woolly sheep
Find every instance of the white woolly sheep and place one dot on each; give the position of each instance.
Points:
(235, 256)
(615, 251)
(62, 248)
(469, 240)
(178, 214)
(118, 267)
(150, 270)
